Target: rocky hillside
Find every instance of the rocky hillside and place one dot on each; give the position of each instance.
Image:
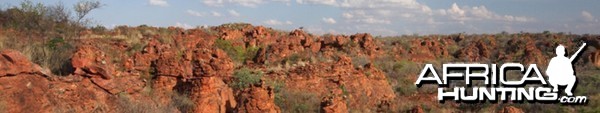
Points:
(246, 68)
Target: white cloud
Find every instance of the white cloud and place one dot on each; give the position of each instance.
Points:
(183, 25)
(454, 9)
(234, 13)
(213, 3)
(347, 15)
(382, 14)
(289, 22)
(195, 13)
(380, 11)
(371, 20)
(212, 13)
(412, 4)
(587, 16)
(161, 3)
(277, 22)
(329, 20)
(246, 3)
(323, 2)
(479, 13)
(362, 16)
(482, 12)
(407, 15)
(215, 14)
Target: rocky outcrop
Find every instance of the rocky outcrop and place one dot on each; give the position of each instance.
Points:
(479, 50)
(417, 109)
(14, 63)
(510, 109)
(427, 49)
(334, 102)
(184, 70)
(259, 98)
(366, 87)
(300, 42)
(27, 88)
(525, 50)
(198, 72)
(208, 89)
(90, 62)
(594, 58)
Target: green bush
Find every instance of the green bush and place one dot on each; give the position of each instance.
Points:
(297, 101)
(54, 54)
(238, 54)
(293, 59)
(398, 73)
(47, 20)
(182, 102)
(360, 61)
(236, 26)
(244, 77)
(48, 32)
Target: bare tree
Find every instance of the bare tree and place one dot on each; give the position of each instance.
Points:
(58, 13)
(82, 8)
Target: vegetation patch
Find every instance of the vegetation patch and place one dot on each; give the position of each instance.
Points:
(245, 77)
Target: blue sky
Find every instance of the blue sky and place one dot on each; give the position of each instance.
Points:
(379, 17)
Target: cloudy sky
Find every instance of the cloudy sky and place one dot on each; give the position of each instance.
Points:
(380, 17)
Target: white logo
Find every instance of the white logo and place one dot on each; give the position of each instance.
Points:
(560, 72)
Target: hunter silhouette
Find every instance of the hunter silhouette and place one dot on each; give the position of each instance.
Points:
(560, 70)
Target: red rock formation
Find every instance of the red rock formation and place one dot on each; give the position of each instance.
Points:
(417, 109)
(428, 49)
(14, 63)
(184, 65)
(210, 94)
(478, 50)
(334, 103)
(90, 62)
(367, 88)
(510, 109)
(29, 89)
(594, 57)
(259, 98)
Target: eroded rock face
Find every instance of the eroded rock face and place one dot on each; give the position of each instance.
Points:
(185, 66)
(197, 72)
(212, 62)
(334, 103)
(29, 89)
(417, 109)
(479, 50)
(183, 71)
(210, 94)
(14, 63)
(259, 98)
(427, 49)
(595, 58)
(526, 51)
(299, 42)
(367, 43)
(90, 62)
(18, 92)
(510, 109)
(367, 87)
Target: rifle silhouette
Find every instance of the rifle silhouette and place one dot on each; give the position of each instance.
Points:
(577, 53)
